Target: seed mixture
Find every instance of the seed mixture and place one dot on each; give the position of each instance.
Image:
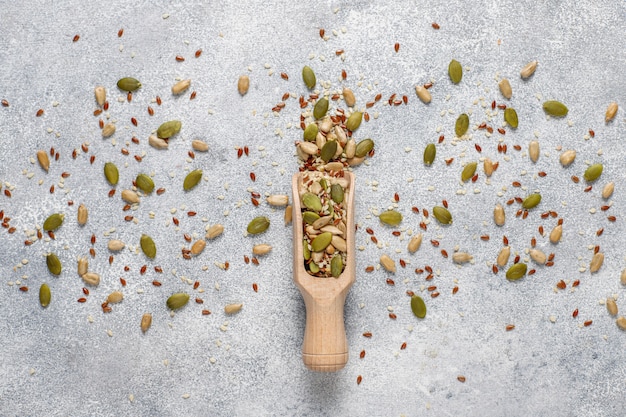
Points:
(327, 144)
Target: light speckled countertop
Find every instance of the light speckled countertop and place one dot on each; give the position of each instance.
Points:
(55, 362)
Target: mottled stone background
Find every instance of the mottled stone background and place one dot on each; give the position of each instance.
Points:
(54, 362)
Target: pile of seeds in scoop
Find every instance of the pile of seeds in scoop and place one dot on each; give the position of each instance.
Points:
(324, 217)
(328, 147)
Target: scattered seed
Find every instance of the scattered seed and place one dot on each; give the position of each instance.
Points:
(321, 108)
(538, 256)
(243, 84)
(261, 249)
(468, 171)
(593, 172)
(146, 322)
(214, 231)
(611, 306)
(429, 154)
(53, 222)
(455, 71)
(499, 215)
(115, 297)
(354, 121)
(510, 116)
(82, 215)
(128, 84)
(418, 306)
(45, 295)
(181, 86)
(528, 70)
(555, 108)
(144, 183)
(461, 257)
(233, 308)
(461, 125)
(442, 215)
(390, 217)
(611, 111)
(388, 263)
(596, 262)
(363, 148)
(192, 179)
(531, 201)
(177, 301)
(148, 246)
(607, 190)
(44, 161)
(423, 94)
(505, 88)
(169, 129)
(258, 225)
(415, 243)
(516, 271)
(308, 76)
(91, 278)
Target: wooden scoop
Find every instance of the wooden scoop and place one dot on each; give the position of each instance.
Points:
(325, 346)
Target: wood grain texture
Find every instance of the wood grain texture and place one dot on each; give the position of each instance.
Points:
(325, 346)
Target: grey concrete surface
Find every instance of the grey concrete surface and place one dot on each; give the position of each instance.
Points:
(70, 359)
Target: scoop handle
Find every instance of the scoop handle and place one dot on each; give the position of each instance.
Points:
(325, 346)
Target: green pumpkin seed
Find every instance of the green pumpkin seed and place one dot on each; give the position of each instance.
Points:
(321, 107)
(461, 125)
(328, 150)
(593, 172)
(324, 183)
(44, 295)
(429, 154)
(336, 193)
(516, 271)
(363, 148)
(144, 183)
(169, 129)
(336, 266)
(53, 222)
(309, 217)
(418, 306)
(178, 300)
(555, 108)
(442, 215)
(128, 84)
(510, 116)
(312, 202)
(354, 121)
(314, 268)
(54, 264)
(468, 171)
(390, 217)
(308, 76)
(258, 225)
(531, 201)
(306, 252)
(311, 131)
(148, 246)
(192, 179)
(455, 71)
(111, 173)
(321, 241)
